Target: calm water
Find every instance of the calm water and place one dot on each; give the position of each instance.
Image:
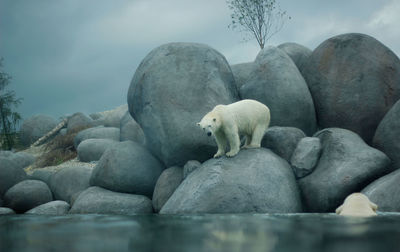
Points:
(299, 232)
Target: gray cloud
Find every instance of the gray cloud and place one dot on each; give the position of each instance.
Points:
(68, 56)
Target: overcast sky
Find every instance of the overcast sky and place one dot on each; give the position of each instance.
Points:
(67, 56)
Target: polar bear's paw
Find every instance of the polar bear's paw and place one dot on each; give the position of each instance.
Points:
(231, 153)
(218, 154)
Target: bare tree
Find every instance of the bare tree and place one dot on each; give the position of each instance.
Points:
(258, 18)
(8, 118)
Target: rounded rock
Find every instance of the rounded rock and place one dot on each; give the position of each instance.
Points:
(166, 185)
(92, 149)
(27, 194)
(305, 156)
(79, 121)
(277, 83)
(56, 207)
(173, 88)
(97, 200)
(347, 164)
(354, 80)
(127, 167)
(10, 174)
(35, 127)
(282, 140)
(97, 133)
(298, 53)
(387, 135)
(131, 130)
(385, 192)
(242, 72)
(69, 181)
(253, 181)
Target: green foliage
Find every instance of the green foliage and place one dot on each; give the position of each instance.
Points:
(260, 19)
(9, 119)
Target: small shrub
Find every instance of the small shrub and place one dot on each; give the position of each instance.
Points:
(59, 150)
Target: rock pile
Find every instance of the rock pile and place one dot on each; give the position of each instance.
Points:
(334, 131)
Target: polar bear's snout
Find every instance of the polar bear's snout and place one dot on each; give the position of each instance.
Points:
(207, 127)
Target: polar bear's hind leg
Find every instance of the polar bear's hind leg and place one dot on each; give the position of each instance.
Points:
(257, 136)
(248, 141)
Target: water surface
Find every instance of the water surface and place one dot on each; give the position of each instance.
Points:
(247, 232)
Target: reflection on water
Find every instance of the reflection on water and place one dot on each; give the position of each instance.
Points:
(298, 232)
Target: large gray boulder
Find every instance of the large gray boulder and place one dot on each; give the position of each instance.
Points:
(43, 174)
(131, 130)
(173, 88)
(99, 132)
(70, 181)
(97, 200)
(354, 80)
(253, 181)
(306, 155)
(35, 127)
(242, 72)
(277, 83)
(56, 207)
(189, 167)
(79, 121)
(6, 211)
(10, 174)
(22, 159)
(27, 194)
(111, 118)
(282, 140)
(92, 149)
(387, 135)
(298, 53)
(166, 185)
(347, 164)
(385, 192)
(6, 154)
(127, 167)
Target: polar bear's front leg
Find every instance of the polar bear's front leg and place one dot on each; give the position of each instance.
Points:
(232, 136)
(221, 143)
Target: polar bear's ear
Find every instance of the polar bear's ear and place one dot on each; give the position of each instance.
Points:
(214, 119)
(373, 206)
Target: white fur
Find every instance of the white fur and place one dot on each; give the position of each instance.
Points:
(357, 204)
(227, 122)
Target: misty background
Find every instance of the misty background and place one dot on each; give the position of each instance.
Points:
(79, 56)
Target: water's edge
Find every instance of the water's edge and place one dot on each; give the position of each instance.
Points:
(208, 232)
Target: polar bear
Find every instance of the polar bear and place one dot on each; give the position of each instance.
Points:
(357, 204)
(227, 122)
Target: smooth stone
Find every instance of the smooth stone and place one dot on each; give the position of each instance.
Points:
(354, 80)
(174, 86)
(347, 164)
(97, 200)
(306, 155)
(166, 185)
(27, 194)
(253, 181)
(56, 207)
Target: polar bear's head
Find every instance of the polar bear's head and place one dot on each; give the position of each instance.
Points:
(210, 123)
(357, 204)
